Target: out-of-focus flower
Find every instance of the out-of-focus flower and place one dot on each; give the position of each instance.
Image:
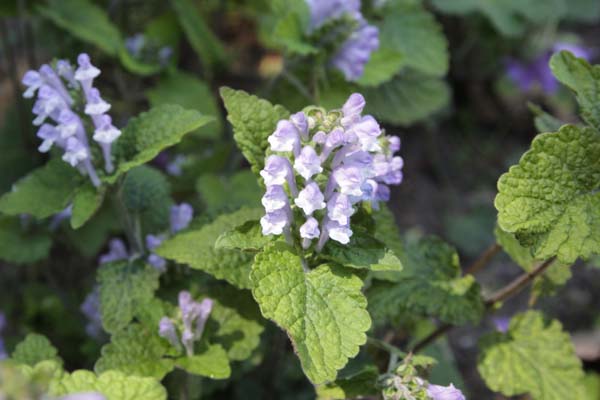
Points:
(91, 309)
(340, 158)
(501, 323)
(193, 317)
(181, 216)
(354, 53)
(116, 251)
(437, 392)
(56, 103)
(84, 396)
(527, 75)
(3, 353)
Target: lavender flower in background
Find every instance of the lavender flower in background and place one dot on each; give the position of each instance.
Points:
(193, 316)
(501, 323)
(527, 75)
(152, 242)
(55, 102)
(437, 392)
(147, 50)
(116, 251)
(3, 353)
(84, 396)
(58, 218)
(91, 309)
(324, 165)
(181, 216)
(354, 53)
(134, 44)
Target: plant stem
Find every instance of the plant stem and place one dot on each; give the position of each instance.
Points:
(483, 259)
(507, 291)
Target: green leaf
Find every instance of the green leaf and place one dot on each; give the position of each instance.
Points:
(583, 10)
(247, 237)
(363, 251)
(430, 284)
(229, 193)
(382, 66)
(583, 79)
(34, 349)
(145, 192)
(136, 66)
(195, 247)
(543, 121)
(55, 183)
(115, 385)
(136, 351)
(509, 17)
(412, 32)
(20, 246)
(407, 98)
(86, 21)
(124, 288)
(151, 132)
(592, 386)
(212, 363)
(235, 322)
(551, 199)
(253, 121)
(357, 384)
(86, 202)
(535, 356)
(290, 29)
(189, 92)
(202, 39)
(323, 311)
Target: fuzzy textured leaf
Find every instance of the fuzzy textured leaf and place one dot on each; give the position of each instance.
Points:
(115, 385)
(195, 247)
(323, 311)
(253, 121)
(430, 284)
(535, 356)
(212, 363)
(551, 199)
(34, 349)
(135, 351)
(56, 183)
(247, 237)
(363, 251)
(124, 288)
(86, 202)
(153, 131)
(583, 79)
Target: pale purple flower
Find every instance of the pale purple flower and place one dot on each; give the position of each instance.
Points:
(275, 198)
(116, 251)
(367, 131)
(52, 79)
(349, 179)
(167, 330)
(501, 323)
(181, 216)
(33, 80)
(394, 142)
(3, 353)
(352, 109)
(338, 232)
(310, 199)
(437, 392)
(91, 309)
(95, 104)
(65, 70)
(106, 132)
(59, 217)
(86, 72)
(273, 223)
(319, 137)
(49, 135)
(194, 316)
(322, 11)
(175, 167)
(339, 209)
(308, 163)
(277, 171)
(164, 55)
(577, 50)
(156, 261)
(68, 123)
(309, 231)
(135, 44)
(285, 138)
(75, 152)
(153, 241)
(354, 54)
(300, 121)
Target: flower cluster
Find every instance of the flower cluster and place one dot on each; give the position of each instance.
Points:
(323, 164)
(57, 90)
(193, 316)
(527, 75)
(437, 392)
(180, 218)
(354, 53)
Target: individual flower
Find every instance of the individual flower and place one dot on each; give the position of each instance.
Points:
(355, 51)
(116, 251)
(193, 319)
(134, 44)
(344, 159)
(437, 392)
(91, 309)
(501, 323)
(152, 242)
(66, 129)
(3, 353)
(84, 396)
(181, 216)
